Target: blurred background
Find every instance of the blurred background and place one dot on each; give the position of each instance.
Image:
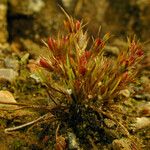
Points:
(37, 19)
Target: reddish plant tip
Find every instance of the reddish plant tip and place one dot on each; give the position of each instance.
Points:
(133, 45)
(99, 42)
(83, 62)
(77, 84)
(78, 25)
(87, 54)
(125, 76)
(139, 52)
(72, 25)
(131, 60)
(51, 43)
(43, 63)
(67, 25)
(82, 70)
(135, 48)
(65, 39)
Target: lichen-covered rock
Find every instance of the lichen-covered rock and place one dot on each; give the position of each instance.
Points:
(8, 74)
(11, 62)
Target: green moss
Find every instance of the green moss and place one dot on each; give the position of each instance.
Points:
(17, 144)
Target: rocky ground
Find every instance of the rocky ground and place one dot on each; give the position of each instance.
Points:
(23, 26)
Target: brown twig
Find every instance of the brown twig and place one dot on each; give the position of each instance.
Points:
(15, 109)
(48, 108)
(7, 130)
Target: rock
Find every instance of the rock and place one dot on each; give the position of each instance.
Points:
(32, 47)
(34, 19)
(8, 74)
(3, 23)
(11, 63)
(36, 5)
(141, 123)
(6, 96)
(27, 7)
(93, 12)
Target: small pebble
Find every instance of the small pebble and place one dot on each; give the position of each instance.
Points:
(6, 96)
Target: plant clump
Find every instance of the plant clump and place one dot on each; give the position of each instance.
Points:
(86, 84)
(85, 87)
